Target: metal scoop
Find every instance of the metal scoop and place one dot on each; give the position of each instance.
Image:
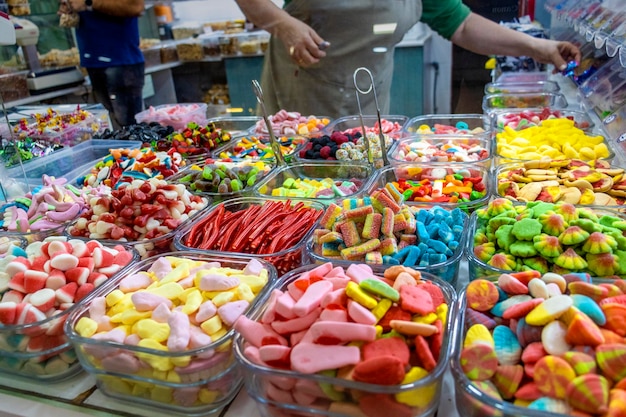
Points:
(370, 89)
(278, 154)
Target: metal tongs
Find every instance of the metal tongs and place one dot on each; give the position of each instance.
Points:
(381, 137)
(278, 154)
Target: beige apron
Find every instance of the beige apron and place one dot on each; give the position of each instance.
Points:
(327, 88)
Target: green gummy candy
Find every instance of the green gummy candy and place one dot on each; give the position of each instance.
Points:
(496, 222)
(329, 389)
(288, 183)
(476, 195)
(251, 181)
(621, 262)
(523, 249)
(504, 236)
(539, 208)
(236, 185)
(526, 229)
(207, 173)
(380, 288)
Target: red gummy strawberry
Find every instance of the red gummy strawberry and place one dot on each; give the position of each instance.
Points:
(325, 152)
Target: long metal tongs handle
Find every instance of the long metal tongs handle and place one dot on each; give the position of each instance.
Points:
(370, 89)
(278, 154)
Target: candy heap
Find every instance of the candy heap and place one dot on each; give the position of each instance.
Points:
(439, 185)
(126, 165)
(528, 118)
(460, 128)
(545, 342)
(355, 334)
(46, 208)
(194, 140)
(553, 139)
(380, 229)
(224, 177)
(552, 237)
(259, 147)
(178, 304)
(177, 116)
(572, 181)
(140, 210)
(442, 150)
(51, 121)
(266, 228)
(38, 285)
(291, 123)
(393, 129)
(344, 147)
(313, 188)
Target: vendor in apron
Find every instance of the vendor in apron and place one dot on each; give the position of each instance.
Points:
(311, 59)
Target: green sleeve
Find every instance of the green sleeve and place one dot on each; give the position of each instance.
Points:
(444, 16)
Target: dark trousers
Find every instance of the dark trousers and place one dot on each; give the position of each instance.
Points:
(119, 90)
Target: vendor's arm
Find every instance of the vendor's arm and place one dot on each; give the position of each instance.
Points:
(122, 8)
(300, 39)
(483, 36)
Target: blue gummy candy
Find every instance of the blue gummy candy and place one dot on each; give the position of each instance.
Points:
(453, 245)
(390, 260)
(422, 232)
(436, 258)
(458, 216)
(412, 257)
(439, 247)
(433, 230)
(458, 232)
(401, 254)
(424, 216)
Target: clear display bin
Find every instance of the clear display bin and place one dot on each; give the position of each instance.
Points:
(419, 149)
(564, 141)
(13, 85)
(242, 43)
(392, 125)
(193, 371)
(447, 185)
(239, 180)
(210, 45)
(321, 182)
(258, 147)
(33, 345)
(449, 124)
(493, 102)
(237, 125)
(169, 52)
(522, 77)
(186, 30)
(152, 56)
(519, 119)
(175, 115)
(280, 390)
(515, 88)
(544, 236)
(69, 162)
(190, 49)
(605, 91)
(252, 216)
(593, 183)
(62, 133)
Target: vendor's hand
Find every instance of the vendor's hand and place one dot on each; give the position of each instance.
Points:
(301, 41)
(557, 53)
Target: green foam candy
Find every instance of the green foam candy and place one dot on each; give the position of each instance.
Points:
(523, 249)
(505, 236)
(526, 229)
(380, 288)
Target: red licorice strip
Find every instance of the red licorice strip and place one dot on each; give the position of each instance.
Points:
(258, 229)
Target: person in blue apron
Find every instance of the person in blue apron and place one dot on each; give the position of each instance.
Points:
(318, 44)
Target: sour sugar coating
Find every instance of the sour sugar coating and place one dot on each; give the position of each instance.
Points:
(359, 328)
(37, 288)
(383, 227)
(563, 346)
(180, 311)
(324, 188)
(446, 149)
(254, 148)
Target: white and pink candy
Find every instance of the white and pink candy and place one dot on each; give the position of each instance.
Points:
(172, 305)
